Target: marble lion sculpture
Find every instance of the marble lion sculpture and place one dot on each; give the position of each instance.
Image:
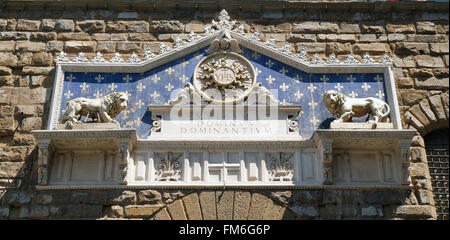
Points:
(103, 109)
(345, 108)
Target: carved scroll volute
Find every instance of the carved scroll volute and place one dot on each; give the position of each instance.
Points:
(405, 154)
(43, 165)
(327, 169)
(123, 163)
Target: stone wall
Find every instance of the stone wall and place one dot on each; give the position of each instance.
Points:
(30, 39)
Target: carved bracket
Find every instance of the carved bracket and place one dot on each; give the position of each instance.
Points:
(405, 151)
(124, 154)
(43, 164)
(327, 164)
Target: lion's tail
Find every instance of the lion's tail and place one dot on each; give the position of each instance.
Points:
(388, 110)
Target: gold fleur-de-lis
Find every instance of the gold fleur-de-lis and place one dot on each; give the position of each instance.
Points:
(353, 94)
(127, 78)
(284, 87)
(269, 63)
(99, 78)
(98, 94)
(68, 94)
(256, 55)
(312, 88)
(314, 121)
(380, 94)
(183, 78)
(155, 95)
(184, 63)
(378, 78)
(84, 86)
(169, 87)
(312, 104)
(351, 78)
(270, 79)
(339, 87)
(298, 94)
(71, 77)
(324, 78)
(170, 70)
(298, 78)
(365, 86)
(156, 78)
(137, 122)
(139, 103)
(112, 87)
(140, 87)
(283, 71)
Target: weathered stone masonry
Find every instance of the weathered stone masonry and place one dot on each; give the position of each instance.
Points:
(415, 35)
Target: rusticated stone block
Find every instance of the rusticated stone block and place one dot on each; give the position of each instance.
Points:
(301, 38)
(426, 27)
(373, 48)
(7, 124)
(137, 26)
(195, 26)
(48, 25)
(106, 47)
(54, 46)
(43, 36)
(224, 201)
(411, 96)
(311, 47)
(5, 96)
(426, 197)
(418, 154)
(415, 212)
(139, 211)
(439, 48)
(426, 108)
(372, 29)
(176, 210)
(141, 37)
(412, 121)
(429, 61)
(78, 46)
(101, 37)
(432, 83)
(150, 196)
(400, 28)
(349, 28)
(405, 48)
(92, 25)
(417, 112)
(14, 35)
(273, 211)
(127, 197)
(438, 108)
(419, 170)
(395, 37)
(13, 154)
(8, 59)
(36, 70)
(5, 71)
(367, 37)
(315, 27)
(128, 47)
(64, 25)
(192, 206)
(421, 72)
(338, 48)
(7, 80)
(336, 38)
(405, 82)
(445, 102)
(241, 205)
(404, 62)
(7, 46)
(28, 25)
(42, 59)
(162, 215)
(258, 206)
(165, 26)
(73, 36)
(31, 123)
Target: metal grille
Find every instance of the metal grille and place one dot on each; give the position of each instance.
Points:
(436, 144)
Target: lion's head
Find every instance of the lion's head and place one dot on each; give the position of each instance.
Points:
(116, 102)
(334, 100)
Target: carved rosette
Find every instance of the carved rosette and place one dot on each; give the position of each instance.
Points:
(168, 168)
(224, 78)
(281, 169)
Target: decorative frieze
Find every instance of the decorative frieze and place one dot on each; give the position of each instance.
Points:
(280, 167)
(168, 167)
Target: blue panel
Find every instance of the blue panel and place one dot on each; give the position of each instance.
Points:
(156, 85)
